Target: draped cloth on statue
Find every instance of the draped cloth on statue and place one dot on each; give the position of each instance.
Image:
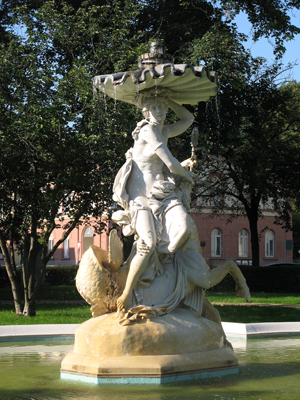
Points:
(164, 283)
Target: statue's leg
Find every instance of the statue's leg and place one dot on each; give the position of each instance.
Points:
(145, 229)
(211, 313)
(206, 278)
(178, 228)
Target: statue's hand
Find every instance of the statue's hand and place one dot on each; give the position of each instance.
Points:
(142, 247)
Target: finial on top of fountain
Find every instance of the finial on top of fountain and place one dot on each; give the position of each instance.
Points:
(156, 56)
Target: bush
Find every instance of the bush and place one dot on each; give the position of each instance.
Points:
(4, 280)
(55, 276)
(275, 279)
(61, 275)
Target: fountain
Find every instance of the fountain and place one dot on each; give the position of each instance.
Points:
(151, 320)
(268, 369)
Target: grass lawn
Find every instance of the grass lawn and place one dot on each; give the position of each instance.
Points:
(254, 314)
(62, 312)
(262, 298)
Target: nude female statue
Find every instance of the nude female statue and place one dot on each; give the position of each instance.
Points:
(150, 154)
(142, 181)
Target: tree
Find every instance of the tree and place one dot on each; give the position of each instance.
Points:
(58, 149)
(251, 136)
(180, 22)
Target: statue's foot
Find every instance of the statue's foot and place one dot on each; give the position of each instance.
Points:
(123, 301)
(121, 313)
(243, 291)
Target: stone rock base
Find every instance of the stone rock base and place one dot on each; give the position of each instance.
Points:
(175, 347)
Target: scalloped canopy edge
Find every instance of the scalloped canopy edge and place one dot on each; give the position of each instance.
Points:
(188, 84)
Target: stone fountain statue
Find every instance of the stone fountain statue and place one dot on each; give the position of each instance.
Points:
(152, 320)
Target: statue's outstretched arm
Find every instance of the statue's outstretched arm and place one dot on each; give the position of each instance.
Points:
(172, 163)
(186, 120)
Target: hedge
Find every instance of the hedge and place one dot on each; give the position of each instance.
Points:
(55, 276)
(275, 279)
(61, 275)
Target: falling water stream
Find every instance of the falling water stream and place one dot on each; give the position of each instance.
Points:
(269, 369)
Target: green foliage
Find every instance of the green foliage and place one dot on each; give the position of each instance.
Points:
(61, 275)
(49, 293)
(250, 133)
(60, 146)
(54, 275)
(275, 279)
(4, 280)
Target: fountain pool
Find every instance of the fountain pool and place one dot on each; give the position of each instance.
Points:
(269, 369)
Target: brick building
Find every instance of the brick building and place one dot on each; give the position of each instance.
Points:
(220, 241)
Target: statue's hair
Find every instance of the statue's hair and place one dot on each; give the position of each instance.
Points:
(146, 97)
(147, 103)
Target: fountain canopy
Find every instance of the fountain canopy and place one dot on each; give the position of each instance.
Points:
(186, 84)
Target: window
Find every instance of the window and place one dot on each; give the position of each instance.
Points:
(243, 243)
(88, 232)
(269, 244)
(66, 248)
(50, 244)
(216, 243)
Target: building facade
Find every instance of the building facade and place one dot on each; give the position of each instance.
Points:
(220, 241)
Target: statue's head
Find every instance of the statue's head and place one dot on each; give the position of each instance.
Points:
(154, 103)
(155, 109)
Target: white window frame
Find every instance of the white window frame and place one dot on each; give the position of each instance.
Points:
(243, 243)
(269, 244)
(66, 248)
(216, 243)
(50, 244)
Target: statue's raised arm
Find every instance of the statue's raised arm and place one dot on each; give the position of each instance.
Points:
(186, 120)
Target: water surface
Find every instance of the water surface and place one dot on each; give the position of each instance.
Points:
(269, 369)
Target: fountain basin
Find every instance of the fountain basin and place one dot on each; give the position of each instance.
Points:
(174, 347)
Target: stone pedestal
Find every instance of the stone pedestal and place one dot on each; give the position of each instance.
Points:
(175, 347)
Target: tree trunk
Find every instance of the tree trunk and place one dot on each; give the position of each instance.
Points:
(253, 219)
(29, 308)
(36, 270)
(12, 275)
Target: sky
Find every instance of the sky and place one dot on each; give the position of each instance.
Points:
(263, 48)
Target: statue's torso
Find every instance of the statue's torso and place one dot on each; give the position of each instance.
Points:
(147, 168)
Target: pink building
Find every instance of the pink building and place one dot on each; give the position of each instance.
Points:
(220, 241)
(79, 240)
